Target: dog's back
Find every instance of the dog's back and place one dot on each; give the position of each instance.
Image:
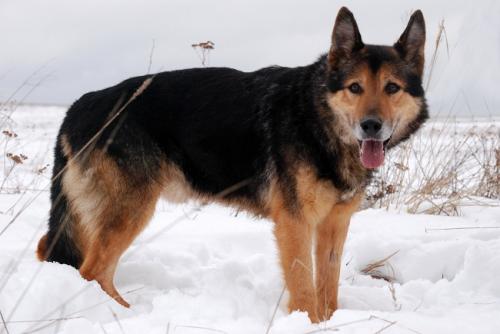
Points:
(187, 133)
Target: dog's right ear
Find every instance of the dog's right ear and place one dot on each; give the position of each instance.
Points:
(346, 38)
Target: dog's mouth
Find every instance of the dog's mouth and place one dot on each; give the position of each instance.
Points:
(372, 152)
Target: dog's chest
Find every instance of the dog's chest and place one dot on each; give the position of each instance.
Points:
(315, 197)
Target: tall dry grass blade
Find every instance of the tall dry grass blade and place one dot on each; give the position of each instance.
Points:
(34, 329)
(4, 323)
(392, 323)
(115, 317)
(151, 56)
(440, 34)
(275, 311)
(344, 324)
(200, 327)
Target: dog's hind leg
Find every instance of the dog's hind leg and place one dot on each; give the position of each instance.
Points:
(107, 244)
(113, 206)
(330, 238)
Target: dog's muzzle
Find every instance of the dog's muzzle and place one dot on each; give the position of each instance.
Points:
(372, 134)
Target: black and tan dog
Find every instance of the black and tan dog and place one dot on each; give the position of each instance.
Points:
(296, 145)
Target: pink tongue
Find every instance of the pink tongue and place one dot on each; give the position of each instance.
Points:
(372, 153)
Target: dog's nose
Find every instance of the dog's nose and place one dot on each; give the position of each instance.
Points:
(371, 126)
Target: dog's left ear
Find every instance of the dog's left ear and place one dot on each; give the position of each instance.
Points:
(346, 38)
(411, 44)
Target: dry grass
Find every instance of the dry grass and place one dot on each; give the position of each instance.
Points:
(441, 34)
(383, 269)
(202, 50)
(446, 165)
(374, 269)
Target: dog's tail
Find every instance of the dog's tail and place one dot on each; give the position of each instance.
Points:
(58, 244)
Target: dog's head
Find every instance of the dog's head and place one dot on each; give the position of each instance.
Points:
(376, 91)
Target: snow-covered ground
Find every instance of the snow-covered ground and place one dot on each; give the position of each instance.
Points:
(208, 270)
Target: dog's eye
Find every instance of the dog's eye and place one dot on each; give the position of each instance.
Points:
(355, 88)
(392, 88)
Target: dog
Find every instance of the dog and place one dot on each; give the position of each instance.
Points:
(295, 145)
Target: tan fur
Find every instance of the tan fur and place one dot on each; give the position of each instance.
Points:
(398, 109)
(177, 190)
(294, 238)
(85, 196)
(315, 197)
(330, 238)
(41, 250)
(111, 210)
(322, 215)
(66, 148)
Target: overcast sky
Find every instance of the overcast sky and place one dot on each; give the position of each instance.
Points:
(79, 46)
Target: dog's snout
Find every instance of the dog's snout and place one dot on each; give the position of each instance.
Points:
(371, 126)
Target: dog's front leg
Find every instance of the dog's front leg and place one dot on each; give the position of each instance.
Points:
(294, 237)
(330, 237)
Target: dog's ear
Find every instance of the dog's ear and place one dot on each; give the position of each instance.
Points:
(346, 38)
(411, 44)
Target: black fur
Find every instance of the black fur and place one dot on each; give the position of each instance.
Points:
(220, 126)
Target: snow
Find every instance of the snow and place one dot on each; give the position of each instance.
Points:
(210, 270)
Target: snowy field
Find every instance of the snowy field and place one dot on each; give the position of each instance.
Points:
(210, 270)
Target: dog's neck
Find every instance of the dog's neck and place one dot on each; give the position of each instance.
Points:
(309, 132)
